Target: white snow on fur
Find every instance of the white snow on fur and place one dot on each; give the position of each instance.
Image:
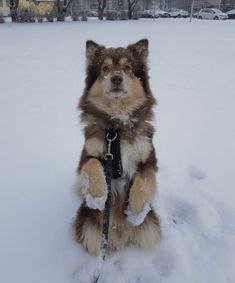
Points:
(83, 183)
(137, 218)
(95, 202)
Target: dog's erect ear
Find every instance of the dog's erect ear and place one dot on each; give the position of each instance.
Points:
(140, 48)
(91, 48)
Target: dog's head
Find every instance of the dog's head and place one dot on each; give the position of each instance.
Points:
(117, 80)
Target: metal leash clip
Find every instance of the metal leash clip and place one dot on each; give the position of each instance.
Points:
(109, 140)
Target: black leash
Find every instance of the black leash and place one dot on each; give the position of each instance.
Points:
(113, 169)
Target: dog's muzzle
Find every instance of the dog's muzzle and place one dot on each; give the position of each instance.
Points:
(116, 81)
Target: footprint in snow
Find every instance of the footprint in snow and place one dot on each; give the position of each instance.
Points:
(196, 174)
(183, 211)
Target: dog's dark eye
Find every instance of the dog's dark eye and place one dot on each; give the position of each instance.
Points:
(105, 69)
(127, 68)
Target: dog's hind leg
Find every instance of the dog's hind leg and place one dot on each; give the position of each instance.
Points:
(88, 228)
(148, 234)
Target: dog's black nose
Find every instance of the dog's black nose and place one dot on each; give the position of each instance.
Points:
(116, 79)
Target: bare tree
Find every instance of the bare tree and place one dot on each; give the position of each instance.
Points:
(233, 4)
(226, 5)
(131, 7)
(101, 7)
(14, 4)
(62, 6)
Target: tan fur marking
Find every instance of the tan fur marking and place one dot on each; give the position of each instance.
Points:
(123, 61)
(95, 172)
(108, 61)
(91, 238)
(119, 230)
(94, 147)
(142, 190)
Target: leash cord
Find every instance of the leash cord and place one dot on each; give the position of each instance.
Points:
(108, 170)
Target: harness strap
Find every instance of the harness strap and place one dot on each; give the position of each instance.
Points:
(113, 148)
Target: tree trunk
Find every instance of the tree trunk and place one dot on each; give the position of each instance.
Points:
(129, 10)
(100, 15)
(14, 4)
(101, 7)
(60, 12)
(131, 7)
(62, 9)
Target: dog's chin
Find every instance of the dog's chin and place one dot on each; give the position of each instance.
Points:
(116, 94)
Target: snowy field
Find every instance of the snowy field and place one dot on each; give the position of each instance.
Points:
(41, 79)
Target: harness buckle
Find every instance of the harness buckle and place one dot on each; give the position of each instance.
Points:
(109, 140)
(108, 155)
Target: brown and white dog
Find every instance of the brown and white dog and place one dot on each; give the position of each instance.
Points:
(117, 96)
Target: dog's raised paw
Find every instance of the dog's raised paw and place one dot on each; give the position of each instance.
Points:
(93, 202)
(137, 218)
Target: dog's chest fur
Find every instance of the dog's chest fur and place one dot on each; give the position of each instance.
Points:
(131, 153)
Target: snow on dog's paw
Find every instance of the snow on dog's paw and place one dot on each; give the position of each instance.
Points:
(137, 218)
(95, 202)
(83, 183)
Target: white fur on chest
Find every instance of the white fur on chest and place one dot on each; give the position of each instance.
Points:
(132, 154)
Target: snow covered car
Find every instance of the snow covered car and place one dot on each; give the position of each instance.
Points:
(178, 13)
(231, 14)
(212, 14)
(162, 14)
(92, 14)
(149, 14)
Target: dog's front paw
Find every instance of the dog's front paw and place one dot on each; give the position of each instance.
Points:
(93, 190)
(137, 218)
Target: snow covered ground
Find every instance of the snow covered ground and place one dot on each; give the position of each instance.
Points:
(41, 79)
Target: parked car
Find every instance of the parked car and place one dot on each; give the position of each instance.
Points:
(212, 14)
(148, 14)
(231, 14)
(162, 14)
(113, 15)
(178, 13)
(92, 14)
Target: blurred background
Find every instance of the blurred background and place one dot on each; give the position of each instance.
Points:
(74, 10)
